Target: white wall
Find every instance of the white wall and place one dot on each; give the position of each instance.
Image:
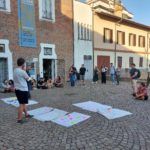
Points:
(82, 14)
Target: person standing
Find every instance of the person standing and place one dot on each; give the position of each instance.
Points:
(112, 73)
(134, 77)
(103, 74)
(72, 75)
(148, 76)
(95, 76)
(21, 89)
(82, 74)
(118, 70)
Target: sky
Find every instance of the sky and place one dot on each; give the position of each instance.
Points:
(139, 8)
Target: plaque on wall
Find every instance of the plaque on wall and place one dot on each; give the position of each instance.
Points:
(47, 51)
(2, 48)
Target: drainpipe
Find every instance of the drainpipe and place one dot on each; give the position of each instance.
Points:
(148, 48)
(93, 34)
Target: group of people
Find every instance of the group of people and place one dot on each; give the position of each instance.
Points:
(114, 74)
(43, 84)
(22, 79)
(8, 86)
(74, 75)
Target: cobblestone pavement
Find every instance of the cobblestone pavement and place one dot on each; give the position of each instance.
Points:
(97, 133)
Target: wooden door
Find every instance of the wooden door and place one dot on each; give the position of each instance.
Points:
(103, 60)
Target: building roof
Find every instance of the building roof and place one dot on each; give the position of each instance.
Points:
(114, 7)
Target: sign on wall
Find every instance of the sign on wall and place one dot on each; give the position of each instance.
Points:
(27, 30)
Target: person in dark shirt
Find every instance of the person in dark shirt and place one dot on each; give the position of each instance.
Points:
(41, 84)
(133, 75)
(82, 74)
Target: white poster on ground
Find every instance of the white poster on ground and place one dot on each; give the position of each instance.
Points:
(92, 106)
(30, 102)
(52, 115)
(9, 100)
(113, 113)
(71, 119)
(40, 111)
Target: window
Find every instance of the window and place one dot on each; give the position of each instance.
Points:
(108, 35)
(85, 32)
(141, 41)
(2, 48)
(81, 31)
(91, 33)
(2, 4)
(121, 37)
(5, 5)
(47, 10)
(141, 62)
(132, 39)
(78, 30)
(88, 38)
(130, 61)
(47, 51)
(119, 61)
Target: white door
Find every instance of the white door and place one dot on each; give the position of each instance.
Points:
(88, 63)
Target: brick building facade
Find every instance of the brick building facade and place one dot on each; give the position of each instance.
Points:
(54, 39)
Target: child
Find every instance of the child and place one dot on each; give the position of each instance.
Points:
(142, 92)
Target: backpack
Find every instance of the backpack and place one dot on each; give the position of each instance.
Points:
(139, 73)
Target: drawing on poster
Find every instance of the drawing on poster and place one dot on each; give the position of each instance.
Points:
(71, 119)
(114, 113)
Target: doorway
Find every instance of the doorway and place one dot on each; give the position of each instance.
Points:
(88, 64)
(103, 60)
(47, 69)
(3, 69)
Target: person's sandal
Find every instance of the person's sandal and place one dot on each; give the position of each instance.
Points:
(20, 121)
(29, 116)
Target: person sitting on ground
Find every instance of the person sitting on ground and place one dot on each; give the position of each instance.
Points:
(33, 83)
(41, 84)
(6, 87)
(142, 92)
(50, 83)
(12, 87)
(58, 82)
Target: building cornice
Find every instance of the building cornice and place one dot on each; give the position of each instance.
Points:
(123, 21)
(121, 51)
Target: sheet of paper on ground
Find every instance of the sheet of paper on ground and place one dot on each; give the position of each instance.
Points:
(105, 110)
(92, 106)
(40, 111)
(52, 115)
(113, 113)
(9, 100)
(71, 119)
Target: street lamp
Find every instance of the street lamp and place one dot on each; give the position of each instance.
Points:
(148, 46)
(116, 24)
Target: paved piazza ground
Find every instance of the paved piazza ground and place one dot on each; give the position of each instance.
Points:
(97, 133)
